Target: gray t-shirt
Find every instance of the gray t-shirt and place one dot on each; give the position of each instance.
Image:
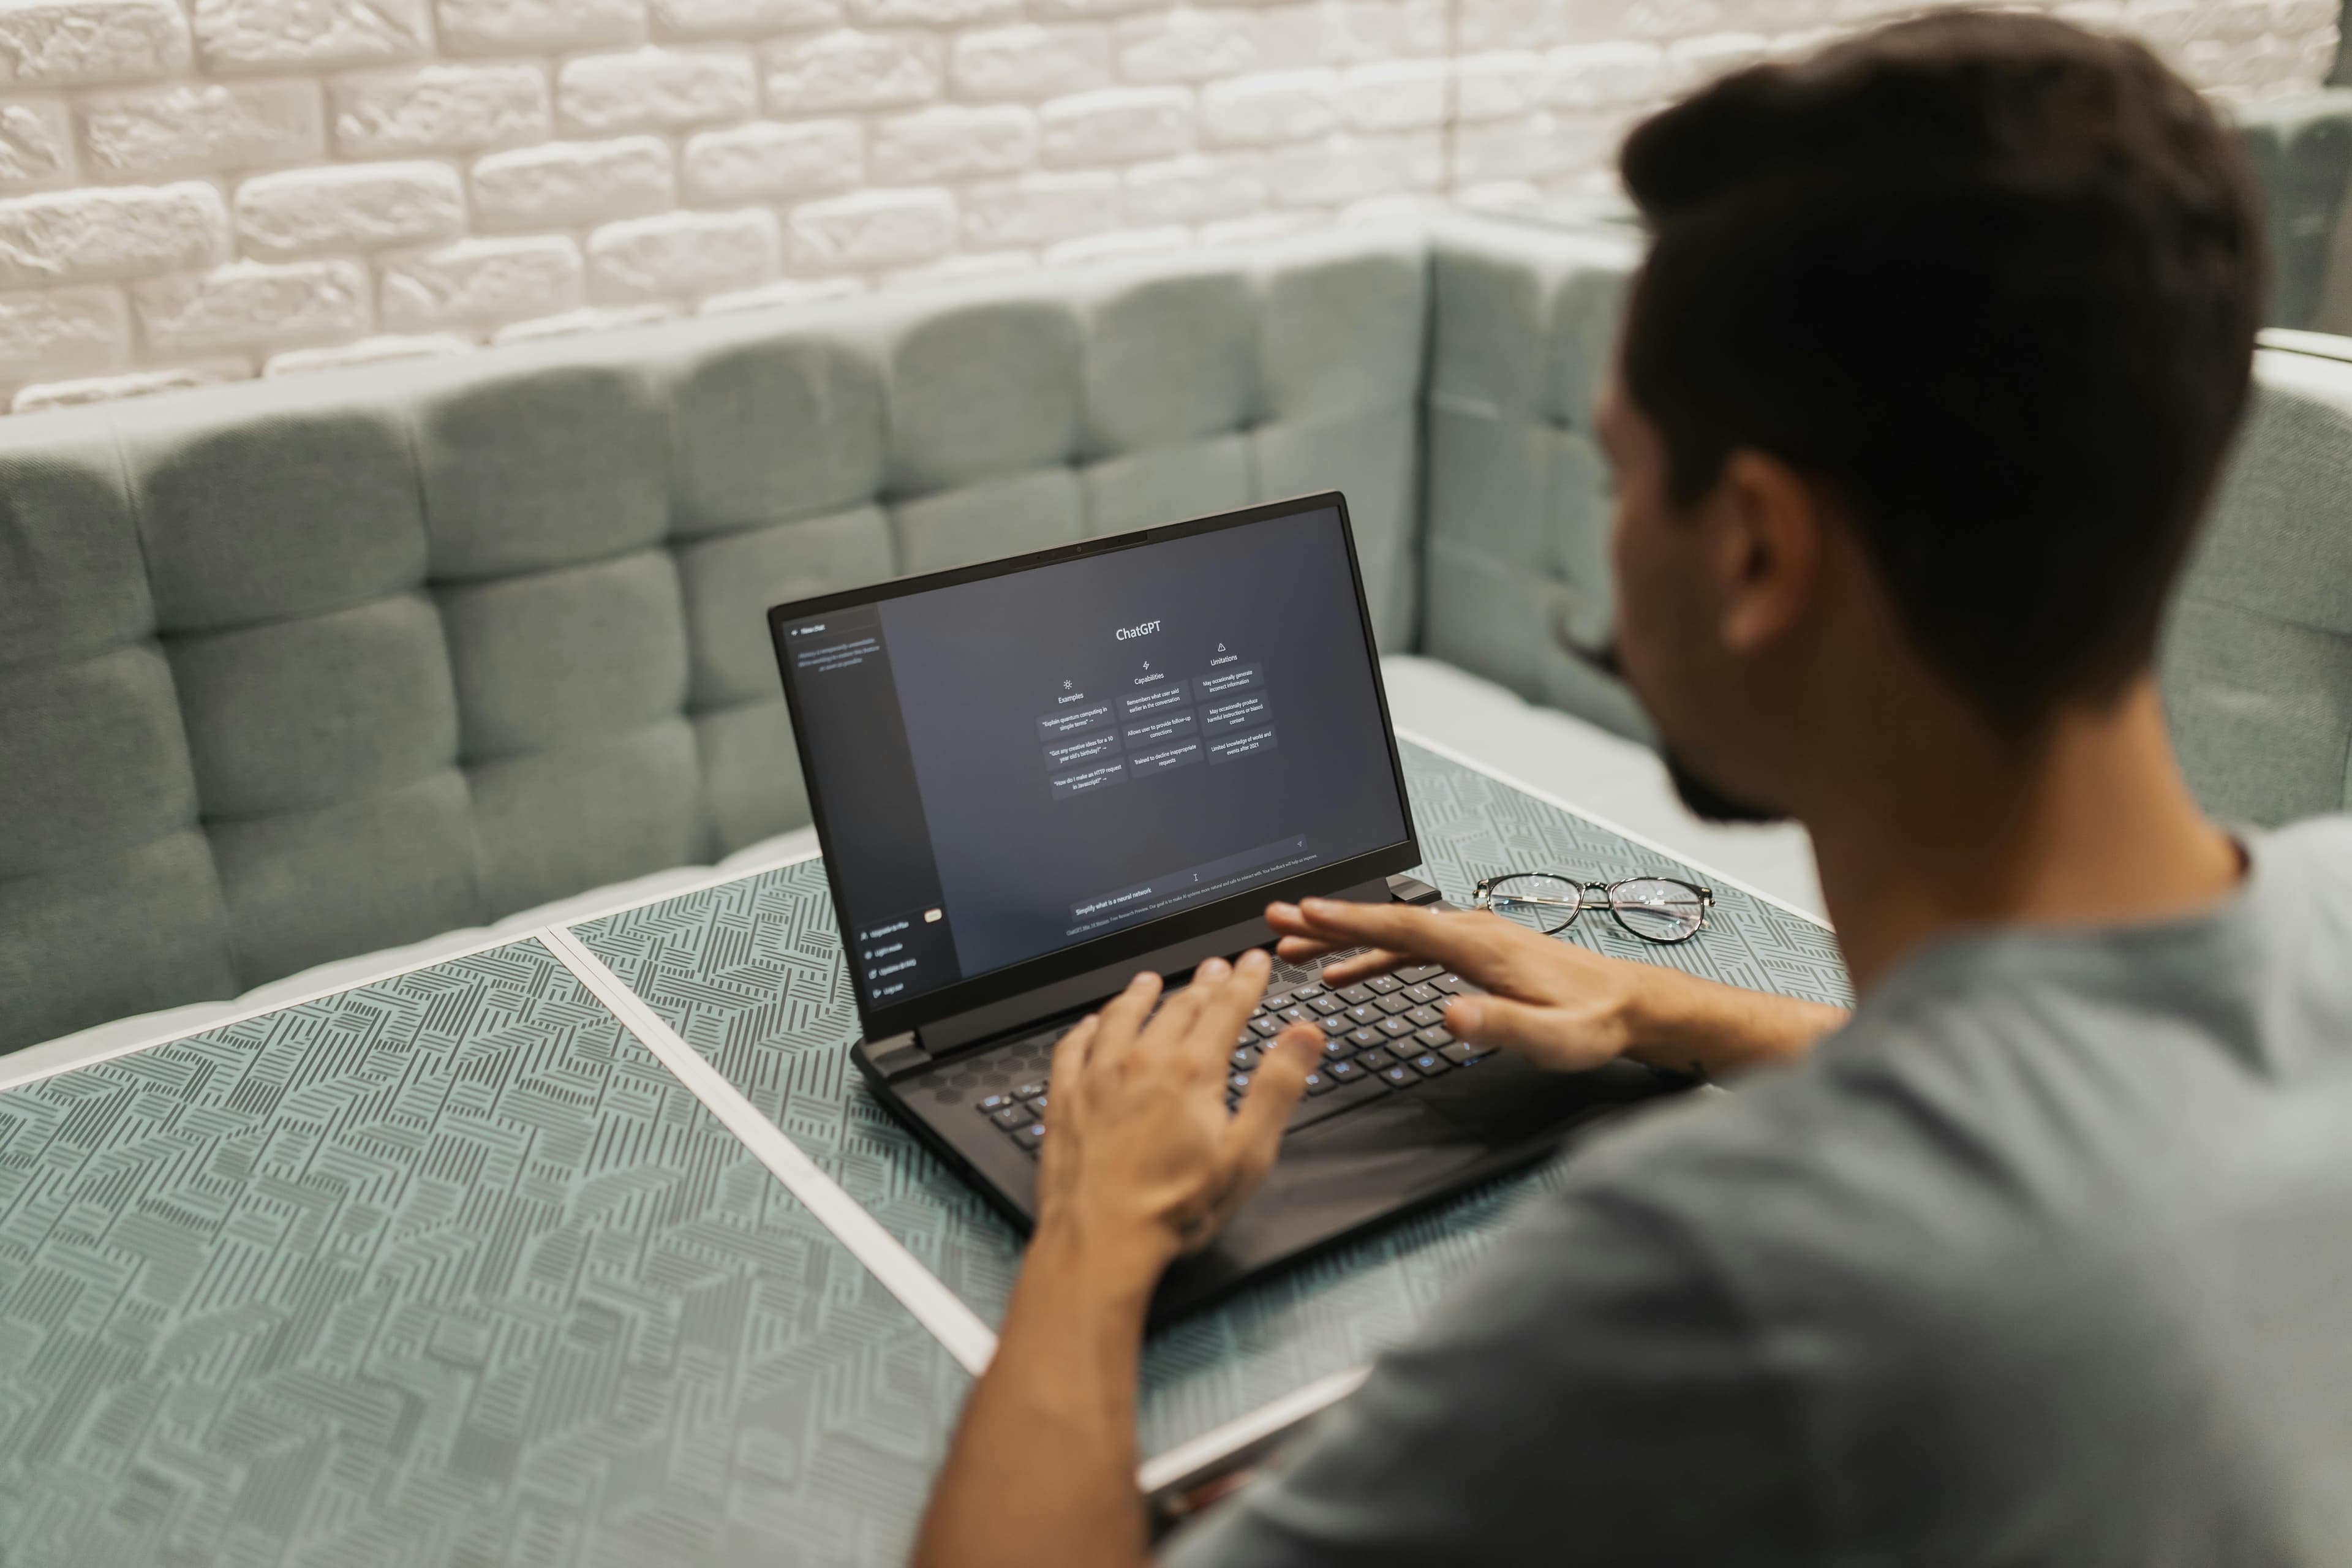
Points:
(2045, 1258)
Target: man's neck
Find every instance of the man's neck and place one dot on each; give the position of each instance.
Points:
(2093, 824)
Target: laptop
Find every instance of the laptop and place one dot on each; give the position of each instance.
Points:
(1033, 777)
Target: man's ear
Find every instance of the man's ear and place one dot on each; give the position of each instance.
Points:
(1766, 523)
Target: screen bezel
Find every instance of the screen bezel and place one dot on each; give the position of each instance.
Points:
(1133, 942)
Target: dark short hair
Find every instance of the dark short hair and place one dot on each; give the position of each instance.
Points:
(1993, 282)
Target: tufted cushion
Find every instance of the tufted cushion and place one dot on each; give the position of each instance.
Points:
(1169, 359)
(1006, 516)
(293, 715)
(72, 582)
(96, 761)
(980, 390)
(542, 466)
(547, 661)
(271, 501)
(2257, 664)
(1515, 552)
(373, 870)
(307, 666)
(2300, 150)
(1162, 484)
(772, 426)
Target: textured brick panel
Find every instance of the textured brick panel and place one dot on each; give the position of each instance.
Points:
(620, 161)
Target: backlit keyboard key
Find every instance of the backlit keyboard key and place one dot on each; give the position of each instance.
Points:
(1385, 982)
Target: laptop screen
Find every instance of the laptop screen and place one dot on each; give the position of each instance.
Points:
(1022, 761)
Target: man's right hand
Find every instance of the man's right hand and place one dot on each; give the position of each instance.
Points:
(1560, 1005)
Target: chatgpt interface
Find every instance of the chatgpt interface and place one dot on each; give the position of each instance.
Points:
(1014, 765)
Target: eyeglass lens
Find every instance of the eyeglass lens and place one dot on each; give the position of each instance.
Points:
(1545, 903)
(1657, 908)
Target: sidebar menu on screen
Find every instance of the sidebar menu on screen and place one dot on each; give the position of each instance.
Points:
(897, 932)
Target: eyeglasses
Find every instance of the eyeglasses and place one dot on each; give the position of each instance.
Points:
(1656, 909)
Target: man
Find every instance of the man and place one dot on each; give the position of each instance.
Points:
(2045, 1257)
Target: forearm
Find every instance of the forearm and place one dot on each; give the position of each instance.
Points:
(1042, 1466)
(1689, 1024)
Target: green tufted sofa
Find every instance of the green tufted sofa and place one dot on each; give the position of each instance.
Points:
(305, 669)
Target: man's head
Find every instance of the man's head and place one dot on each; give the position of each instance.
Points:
(1938, 348)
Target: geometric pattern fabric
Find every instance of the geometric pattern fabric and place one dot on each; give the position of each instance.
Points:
(447, 1268)
(748, 974)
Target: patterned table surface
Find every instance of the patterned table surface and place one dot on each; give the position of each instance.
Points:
(748, 973)
(449, 1268)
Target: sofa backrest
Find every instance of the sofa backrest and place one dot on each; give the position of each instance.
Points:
(303, 667)
(2257, 662)
(1516, 564)
(299, 669)
(2301, 151)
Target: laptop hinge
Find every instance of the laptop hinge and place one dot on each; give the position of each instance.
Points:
(893, 1055)
(1407, 890)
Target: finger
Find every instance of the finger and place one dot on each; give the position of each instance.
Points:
(1400, 928)
(1550, 1035)
(1295, 929)
(1378, 960)
(1067, 1077)
(1178, 1014)
(1273, 1091)
(1228, 1003)
(1122, 1017)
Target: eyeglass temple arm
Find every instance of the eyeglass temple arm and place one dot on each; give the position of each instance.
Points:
(1485, 889)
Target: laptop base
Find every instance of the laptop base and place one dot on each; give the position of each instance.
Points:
(1395, 1155)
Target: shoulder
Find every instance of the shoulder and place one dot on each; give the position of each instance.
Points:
(1584, 1372)
(2308, 862)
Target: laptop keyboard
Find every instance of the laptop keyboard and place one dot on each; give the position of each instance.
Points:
(1383, 1036)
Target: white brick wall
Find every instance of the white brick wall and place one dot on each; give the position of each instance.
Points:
(193, 190)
